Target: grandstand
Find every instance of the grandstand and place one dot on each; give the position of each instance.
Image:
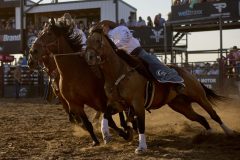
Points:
(22, 21)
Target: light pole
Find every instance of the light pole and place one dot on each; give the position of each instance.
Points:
(21, 25)
(116, 9)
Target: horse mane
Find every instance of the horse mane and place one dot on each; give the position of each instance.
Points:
(69, 32)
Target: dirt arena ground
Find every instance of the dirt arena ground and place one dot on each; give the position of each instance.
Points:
(30, 129)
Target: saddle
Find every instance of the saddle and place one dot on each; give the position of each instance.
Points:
(150, 67)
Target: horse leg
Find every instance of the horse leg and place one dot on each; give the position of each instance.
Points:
(89, 127)
(142, 146)
(206, 105)
(126, 127)
(72, 118)
(78, 110)
(107, 120)
(183, 106)
(123, 121)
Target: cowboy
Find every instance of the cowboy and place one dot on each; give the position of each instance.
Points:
(123, 39)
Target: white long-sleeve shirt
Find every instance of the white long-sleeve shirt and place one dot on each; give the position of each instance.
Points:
(78, 31)
(123, 39)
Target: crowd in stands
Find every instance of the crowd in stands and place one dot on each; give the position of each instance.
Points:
(7, 24)
(205, 69)
(131, 22)
(158, 21)
(232, 60)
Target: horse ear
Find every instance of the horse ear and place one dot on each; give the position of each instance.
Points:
(52, 21)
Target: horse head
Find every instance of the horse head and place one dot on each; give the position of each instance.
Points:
(48, 44)
(43, 46)
(98, 47)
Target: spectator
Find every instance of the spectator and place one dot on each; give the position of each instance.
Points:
(81, 26)
(162, 20)
(149, 22)
(8, 25)
(122, 22)
(157, 21)
(236, 59)
(198, 70)
(24, 61)
(214, 70)
(233, 56)
(141, 22)
(17, 76)
(176, 2)
(2, 27)
(131, 22)
(152, 51)
(206, 68)
(185, 2)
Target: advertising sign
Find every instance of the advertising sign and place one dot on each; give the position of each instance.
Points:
(150, 36)
(210, 81)
(229, 9)
(10, 42)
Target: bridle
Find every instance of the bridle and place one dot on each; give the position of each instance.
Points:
(96, 52)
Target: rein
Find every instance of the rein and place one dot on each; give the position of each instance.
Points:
(123, 76)
(68, 54)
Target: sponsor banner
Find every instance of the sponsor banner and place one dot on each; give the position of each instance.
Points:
(210, 81)
(6, 58)
(228, 8)
(150, 36)
(10, 42)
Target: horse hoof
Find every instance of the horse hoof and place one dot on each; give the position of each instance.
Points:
(107, 139)
(140, 150)
(94, 144)
(129, 134)
(121, 133)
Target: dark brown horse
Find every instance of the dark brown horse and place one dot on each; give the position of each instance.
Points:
(124, 85)
(78, 85)
(47, 64)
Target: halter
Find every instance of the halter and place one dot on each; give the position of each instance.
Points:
(100, 60)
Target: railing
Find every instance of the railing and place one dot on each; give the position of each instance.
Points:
(31, 83)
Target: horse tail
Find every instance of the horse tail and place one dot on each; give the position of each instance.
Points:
(212, 96)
